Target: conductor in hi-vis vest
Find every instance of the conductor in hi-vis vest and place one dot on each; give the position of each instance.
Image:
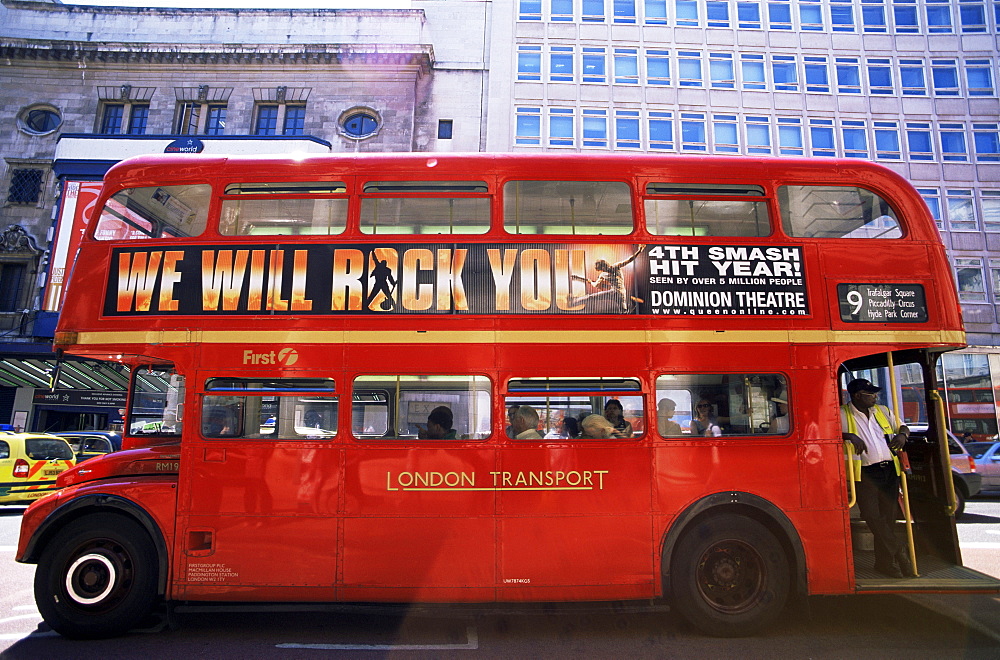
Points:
(876, 436)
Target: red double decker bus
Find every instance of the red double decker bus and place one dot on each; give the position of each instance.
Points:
(480, 377)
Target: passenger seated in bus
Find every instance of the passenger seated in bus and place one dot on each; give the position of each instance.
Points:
(217, 423)
(664, 411)
(704, 422)
(510, 420)
(779, 423)
(524, 424)
(597, 427)
(439, 425)
(615, 414)
(567, 428)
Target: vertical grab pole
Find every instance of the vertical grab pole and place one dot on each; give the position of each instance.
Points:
(942, 434)
(902, 473)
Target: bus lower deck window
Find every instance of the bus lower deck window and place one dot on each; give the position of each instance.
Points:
(715, 405)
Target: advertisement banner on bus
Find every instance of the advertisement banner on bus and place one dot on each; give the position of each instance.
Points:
(489, 279)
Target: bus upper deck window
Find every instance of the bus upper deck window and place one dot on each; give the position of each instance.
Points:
(296, 208)
(706, 210)
(155, 212)
(836, 212)
(573, 208)
(425, 207)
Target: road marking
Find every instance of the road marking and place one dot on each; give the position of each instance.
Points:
(472, 644)
(33, 608)
(981, 545)
(8, 548)
(19, 617)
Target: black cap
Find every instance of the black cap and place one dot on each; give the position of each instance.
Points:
(861, 385)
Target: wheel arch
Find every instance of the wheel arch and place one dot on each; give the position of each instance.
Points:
(746, 504)
(100, 503)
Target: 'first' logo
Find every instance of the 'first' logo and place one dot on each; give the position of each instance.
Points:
(285, 357)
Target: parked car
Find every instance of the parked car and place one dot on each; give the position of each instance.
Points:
(29, 465)
(987, 458)
(88, 444)
(967, 479)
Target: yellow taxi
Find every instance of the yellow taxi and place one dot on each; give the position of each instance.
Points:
(29, 465)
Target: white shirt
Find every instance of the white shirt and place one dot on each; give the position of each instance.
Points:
(871, 432)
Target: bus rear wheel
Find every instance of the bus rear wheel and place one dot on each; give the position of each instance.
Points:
(96, 578)
(729, 576)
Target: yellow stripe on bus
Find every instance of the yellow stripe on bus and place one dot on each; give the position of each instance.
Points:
(872, 336)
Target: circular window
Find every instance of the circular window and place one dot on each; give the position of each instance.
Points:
(39, 119)
(360, 124)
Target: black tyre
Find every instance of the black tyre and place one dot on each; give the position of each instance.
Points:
(97, 577)
(729, 576)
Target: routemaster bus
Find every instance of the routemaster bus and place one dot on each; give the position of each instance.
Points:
(329, 355)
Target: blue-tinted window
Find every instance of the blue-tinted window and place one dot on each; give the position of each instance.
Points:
(561, 132)
(360, 124)
(530, 10)
(687, 12)
(529, 126)
(594, 65)
(561, 64)
(790, 136)
(658, 67)
(725, 134)
(529, 62)
(111, 120)
(216, 122)
(693, 132)
(627, 129)
(817, 74)
(624, 11)
(656, 12)
(848, 76)
(783, 70)
(879, 76)
(661, 130)
(944, 73)
(873, 15)
(758, 135)
(973, 17)
(842, 15)
(953, 142)
(295, 120)
(810, 15)
(752, 71)
(717, 13)
(267, 120)
(918, 141)
(821, 137)
(689, 68)
(561, 10)
(911, 77)
(987, 142)
(979, 77)
(626, 66)
(138, 119)
(748, 15)
(904, 14)
(887, 140)
(593, 11)
(938, 16)
(720, 66)
(595, 128)
(779, 15)
(855, 138)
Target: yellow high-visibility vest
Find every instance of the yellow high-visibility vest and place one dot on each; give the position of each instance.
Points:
(882, 417)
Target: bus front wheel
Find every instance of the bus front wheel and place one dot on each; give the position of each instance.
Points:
(729, 576)
(96, 578)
